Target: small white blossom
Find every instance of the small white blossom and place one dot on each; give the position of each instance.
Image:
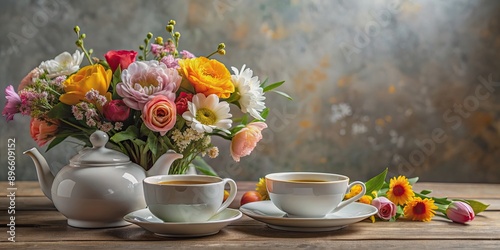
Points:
(63, 64)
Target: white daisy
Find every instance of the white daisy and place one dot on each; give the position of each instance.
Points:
(251, 94)
(206, 113)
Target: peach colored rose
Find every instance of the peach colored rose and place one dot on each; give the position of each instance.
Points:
(28, 79)
(43, 131)
(159, 114)
(245, 140)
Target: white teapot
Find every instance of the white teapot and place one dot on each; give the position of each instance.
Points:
(99, 185)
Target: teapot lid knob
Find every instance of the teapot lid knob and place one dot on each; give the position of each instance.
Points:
(99, 139)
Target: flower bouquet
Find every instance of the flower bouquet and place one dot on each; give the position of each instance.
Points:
(163, 99)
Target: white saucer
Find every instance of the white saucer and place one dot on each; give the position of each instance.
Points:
(145, 219)
(267, 212)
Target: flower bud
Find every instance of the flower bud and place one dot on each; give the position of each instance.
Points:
(149, 35)
(222, 51)
(79, 43)
(460, 212)
(221, 46)
(83, 36)
(91, 51)
(169, 28)
(141, 47)
(76, 29)
(172, 22)
(177, 35)
(159, 40)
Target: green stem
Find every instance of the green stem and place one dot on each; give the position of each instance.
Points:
(222, 136)
(75, 126)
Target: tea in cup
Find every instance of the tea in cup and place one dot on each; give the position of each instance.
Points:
(310, 194)
(187, 198)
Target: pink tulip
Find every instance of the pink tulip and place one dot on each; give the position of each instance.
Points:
(13, 103)
(386, 208)
(460, 212)
(245, 140)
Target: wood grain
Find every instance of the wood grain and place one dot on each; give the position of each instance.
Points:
(39, 225)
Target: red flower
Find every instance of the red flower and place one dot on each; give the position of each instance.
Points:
(120, 57)
(116, 111)
(181, 103)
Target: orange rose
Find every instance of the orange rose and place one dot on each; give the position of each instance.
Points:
(159, 114)
(43, 131)
(87, 78)
(245, 140)
(208, 76)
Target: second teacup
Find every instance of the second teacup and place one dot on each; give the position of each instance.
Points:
(310, 194)
(187, 198)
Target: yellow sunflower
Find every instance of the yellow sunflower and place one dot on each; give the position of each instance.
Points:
(261, 189)
(418, 209)
(400, 190)
(356, 189)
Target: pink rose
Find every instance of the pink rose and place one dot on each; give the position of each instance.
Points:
(460, 212)
(43, 131)
(182, 102)
(245, 140)
(116, 111)
(159, 114)
(120, 57)
(386, 208)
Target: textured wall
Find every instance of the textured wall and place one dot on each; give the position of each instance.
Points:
(410, 85)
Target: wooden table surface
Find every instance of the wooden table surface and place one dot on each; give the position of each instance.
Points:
(40, 225)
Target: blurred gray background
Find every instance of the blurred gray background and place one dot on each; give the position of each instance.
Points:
(409, 85)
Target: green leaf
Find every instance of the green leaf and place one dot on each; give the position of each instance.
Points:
(425, 192)
(477, 206)
(138, 142)
(117, 78)
(202, 166)
(413, 180)
(283, 94)
(153, 143)
(263, 84)
(130, 133)
(376, 183)
(272, 86)
(60, 111)
(56, 141)
(244, 119)
(265, 113)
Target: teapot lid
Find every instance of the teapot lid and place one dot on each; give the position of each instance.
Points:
(99, 154)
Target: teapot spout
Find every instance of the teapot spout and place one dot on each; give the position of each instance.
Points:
(162, 165)
(45, 177)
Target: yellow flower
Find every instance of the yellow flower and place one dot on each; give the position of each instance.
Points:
(400, 190)
(356, 189)
(418, 209)
(367, 199)
(208, 76)
(261, 189)
(87, 78)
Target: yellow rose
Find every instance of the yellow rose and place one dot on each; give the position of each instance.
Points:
(208, 76)
(87, 78)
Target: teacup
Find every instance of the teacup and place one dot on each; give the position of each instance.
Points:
(187, 198)
(310, 194)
